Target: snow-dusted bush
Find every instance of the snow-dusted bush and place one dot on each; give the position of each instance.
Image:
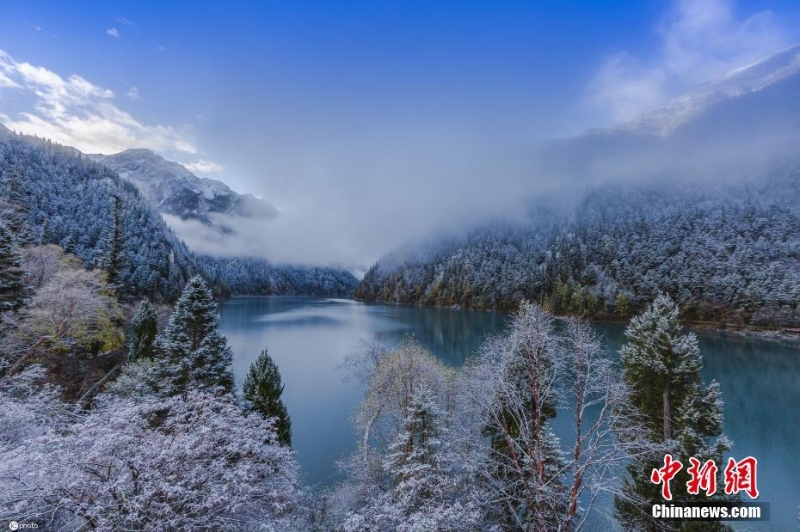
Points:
(28, 408)
(174, 464)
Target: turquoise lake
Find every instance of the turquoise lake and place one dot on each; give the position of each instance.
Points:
(309, 338)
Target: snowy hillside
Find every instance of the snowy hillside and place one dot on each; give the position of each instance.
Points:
(699, 200)
(172, 189)
(59, 196)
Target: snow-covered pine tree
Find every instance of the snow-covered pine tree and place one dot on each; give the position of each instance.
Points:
(413, 457)
(144, 328)
(190, 352)
(114, 246)
(12, 286)
(425, 494)
(262, 390)
(409, 472)
(661, 366)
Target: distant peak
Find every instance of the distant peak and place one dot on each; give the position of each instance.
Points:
(739, 81)
(775, 62)
(139, 152)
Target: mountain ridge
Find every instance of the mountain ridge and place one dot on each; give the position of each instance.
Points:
(737, 82)
(173, 189)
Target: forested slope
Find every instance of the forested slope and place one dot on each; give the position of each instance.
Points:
(61, 197)
(255, 276)
(727, 253)
(56, 195)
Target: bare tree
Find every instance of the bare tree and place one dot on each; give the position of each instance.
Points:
(42, 262)
(518, 383)
(390, 390)
(607, 431)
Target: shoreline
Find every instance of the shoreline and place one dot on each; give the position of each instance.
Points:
(777, 334)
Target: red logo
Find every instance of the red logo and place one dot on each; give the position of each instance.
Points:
(665, 474)
(703, 477)
(739, 476)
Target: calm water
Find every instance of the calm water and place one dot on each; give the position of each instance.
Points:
(310, 337)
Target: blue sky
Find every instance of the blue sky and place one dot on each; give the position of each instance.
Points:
(343, 113)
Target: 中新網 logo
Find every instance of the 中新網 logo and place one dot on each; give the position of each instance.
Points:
(738, 476)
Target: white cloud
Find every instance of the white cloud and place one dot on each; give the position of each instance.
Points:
(124, 21)
(6, 72)
(133, 93)
(701, 40)
(75, 112)
(113, 32)
(204, 167)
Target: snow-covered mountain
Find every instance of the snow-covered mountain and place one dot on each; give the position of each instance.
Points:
(738, 126)
(738, 82)
(699, 200)
(174, 190)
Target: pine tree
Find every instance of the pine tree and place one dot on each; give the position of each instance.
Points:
(144, 328)
(113, 260)
(661, 366)
(262, 390)
(12, 286)
(414, 458)
(191, 353)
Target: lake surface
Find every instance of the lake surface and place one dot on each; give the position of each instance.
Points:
(309, 339)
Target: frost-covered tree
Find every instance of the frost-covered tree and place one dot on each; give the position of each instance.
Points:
(513, 386)
(661, 366)
(113, 260)
(423, 486)
(413, 459)
(72, 319)
(423, 494)
(390, 390)
(191, 352)
(408, 473)
(262, 390)
(144, 328)
(193, 463)
(607, 430)
(41, 262)
(12, 286)
(134, 380)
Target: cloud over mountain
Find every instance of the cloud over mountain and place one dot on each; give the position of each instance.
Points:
(75, 112)
(699, 41)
